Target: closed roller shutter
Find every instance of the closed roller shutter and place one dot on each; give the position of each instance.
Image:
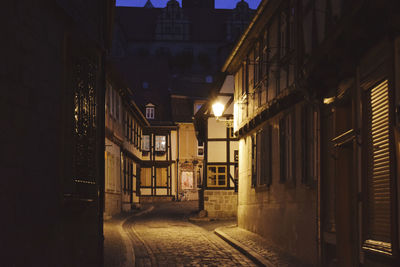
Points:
(378, 171)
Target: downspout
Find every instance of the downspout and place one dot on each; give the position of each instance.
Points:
(177, 163)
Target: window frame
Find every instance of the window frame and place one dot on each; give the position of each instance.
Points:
(217, 173)
(156, 149)
(150, 113)
(144, 141)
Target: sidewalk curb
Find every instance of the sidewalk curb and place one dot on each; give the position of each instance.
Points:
(130, 251)
(250, 253)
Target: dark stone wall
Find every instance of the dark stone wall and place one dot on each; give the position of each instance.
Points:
(42, 225)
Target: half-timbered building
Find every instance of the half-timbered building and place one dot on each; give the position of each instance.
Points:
(215, 132)
(158, 171)
(315, 91)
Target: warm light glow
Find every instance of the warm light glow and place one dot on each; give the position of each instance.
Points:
(217, 108)
(329, 100)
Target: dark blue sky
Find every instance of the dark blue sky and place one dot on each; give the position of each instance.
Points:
(162, 3)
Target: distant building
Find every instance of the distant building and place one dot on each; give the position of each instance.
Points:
(169, 57)
(316, 84)
(220, 183)
(123, 155)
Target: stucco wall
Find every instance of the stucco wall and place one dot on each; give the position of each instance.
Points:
(283, 213)
(220, 203)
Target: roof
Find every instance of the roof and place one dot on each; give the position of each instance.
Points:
(139, 24)
(244, 41)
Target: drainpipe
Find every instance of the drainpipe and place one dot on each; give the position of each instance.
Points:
(177, 164)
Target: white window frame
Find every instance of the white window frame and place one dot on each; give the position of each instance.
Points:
(159, 145)
(146, 142)
(149, 112)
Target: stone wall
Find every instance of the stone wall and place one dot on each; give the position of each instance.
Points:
(220, 203)
(112, 204)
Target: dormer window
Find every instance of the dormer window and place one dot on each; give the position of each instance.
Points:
(149, 112)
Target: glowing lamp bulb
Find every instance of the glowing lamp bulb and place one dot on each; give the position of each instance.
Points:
(217, 108)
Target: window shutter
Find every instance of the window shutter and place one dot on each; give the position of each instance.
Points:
(293, 146)
(258, 157)
(268, 154)
(253, 161)
(282, 150)
(378, 170)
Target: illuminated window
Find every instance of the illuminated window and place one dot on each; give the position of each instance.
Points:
(161, 143)
(216, 176)
(146, 143)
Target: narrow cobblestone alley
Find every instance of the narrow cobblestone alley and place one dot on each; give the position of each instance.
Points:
(165, 237)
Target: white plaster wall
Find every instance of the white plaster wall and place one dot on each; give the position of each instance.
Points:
(216, 129)
(216, 151)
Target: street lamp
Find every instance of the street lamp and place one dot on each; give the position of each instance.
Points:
(218, 108)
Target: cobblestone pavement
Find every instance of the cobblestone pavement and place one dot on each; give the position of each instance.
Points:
(164, 237)
(261, 246)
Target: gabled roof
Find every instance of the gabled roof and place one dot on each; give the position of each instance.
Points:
(148, 4)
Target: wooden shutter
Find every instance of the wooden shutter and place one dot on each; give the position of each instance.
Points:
(253, 161)
(282, 150)
(268, 154)
(258, 157)
(378, 206)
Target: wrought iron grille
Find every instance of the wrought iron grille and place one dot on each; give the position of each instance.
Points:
(85, 115)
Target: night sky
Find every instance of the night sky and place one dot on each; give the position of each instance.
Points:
(162, 3)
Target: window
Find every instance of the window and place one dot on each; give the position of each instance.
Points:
(197, 107)
(209, 79)
(146, 143)
(108, 96)
(245, 78)
(265, 51)
(261, 157)
(200, 149)
(134, 133)
(257, 63)
(254, 160)
(161, 177)
(161, 143)
(231, 133)
(309, 145)
(286, 143)
(282, 34)
(111, 91)
(117, 100)
(145, 177)
(265, 175)
(128, 174)
(292, 30)
(149, 113)
(379, 197)
(216, 176)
